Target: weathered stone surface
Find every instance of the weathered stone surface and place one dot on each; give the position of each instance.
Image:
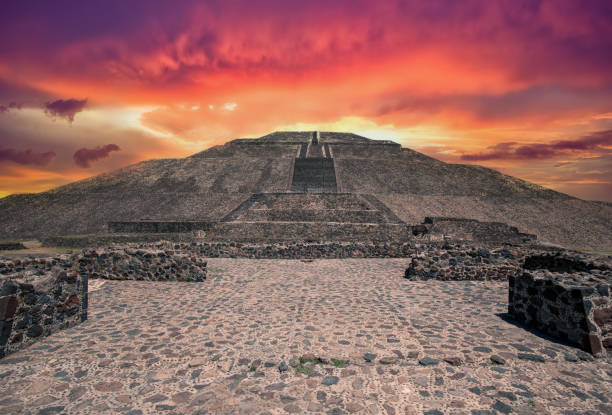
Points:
(40, 302)
(571, 305)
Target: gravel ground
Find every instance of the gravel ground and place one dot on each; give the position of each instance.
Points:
(369, 341)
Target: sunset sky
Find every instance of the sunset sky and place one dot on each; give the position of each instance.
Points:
(524, 87)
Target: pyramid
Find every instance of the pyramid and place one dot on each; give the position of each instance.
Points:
(308, 186)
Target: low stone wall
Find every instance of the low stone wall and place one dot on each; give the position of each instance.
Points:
(297, 250)
(474, 230)
(118, 263)
(103, 240)
(32, 307)
(11, 246)
(574, 306)
(140, 264)
(149, 226)
(460, 263)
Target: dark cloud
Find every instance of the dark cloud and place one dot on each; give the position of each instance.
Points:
(546, 102)
(65, 108)
(26, 157)
(11, 106)
(514, 151)
(84, 156)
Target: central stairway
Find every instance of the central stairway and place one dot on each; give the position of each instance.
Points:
(310, 217)
(312, 209)
(313, 169)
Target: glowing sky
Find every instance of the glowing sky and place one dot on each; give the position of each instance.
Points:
(524, 87)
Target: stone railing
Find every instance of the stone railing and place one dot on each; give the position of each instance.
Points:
(573, 305)
(32, 307)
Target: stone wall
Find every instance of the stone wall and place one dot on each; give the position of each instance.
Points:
(573, 306)
(150, 226)
(474, 230)
(32, 307)
(140, 264)
(11, 246)
(117, 263)
(460, 263)
(288, 250)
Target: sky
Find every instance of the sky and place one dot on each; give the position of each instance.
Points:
(521, 86)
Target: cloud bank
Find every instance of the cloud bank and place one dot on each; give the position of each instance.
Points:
(26, 157)
(514, 151)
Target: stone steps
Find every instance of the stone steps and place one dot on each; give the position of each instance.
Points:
(312, 215)
(314, 174)
(306, 231)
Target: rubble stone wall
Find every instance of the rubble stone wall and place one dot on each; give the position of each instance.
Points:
(573, 307)
(463, 264)
(118, 263)
(34, 307)
(140, 264)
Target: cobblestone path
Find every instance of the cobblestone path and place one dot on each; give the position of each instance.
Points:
(369, 342)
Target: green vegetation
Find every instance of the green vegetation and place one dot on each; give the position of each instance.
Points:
(339, 363)
(304, 369)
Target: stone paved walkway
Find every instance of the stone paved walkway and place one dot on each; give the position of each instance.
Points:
(232, 345)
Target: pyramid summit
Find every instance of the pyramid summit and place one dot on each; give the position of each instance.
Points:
(313, 186)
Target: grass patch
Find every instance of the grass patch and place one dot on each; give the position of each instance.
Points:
(304, 369)
(315, 360)
(252, 368)
(339, 362)
(493, 363)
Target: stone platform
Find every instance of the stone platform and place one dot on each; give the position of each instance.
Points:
(370, 342)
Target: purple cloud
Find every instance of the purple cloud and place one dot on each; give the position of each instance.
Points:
(512, 150)
(65, 108)
(84, 156)
(26, 157)
(10, 106)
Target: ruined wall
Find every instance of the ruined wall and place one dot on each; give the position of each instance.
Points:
(460, 264)
(571, 306)
(474, 230)
(35, 307)
(140, 264)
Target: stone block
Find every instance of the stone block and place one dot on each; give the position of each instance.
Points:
(8, 306)
(603, 316)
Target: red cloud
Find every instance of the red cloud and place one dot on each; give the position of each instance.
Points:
(542, 151)
(65, 108)
(26, 157)
(84, 156)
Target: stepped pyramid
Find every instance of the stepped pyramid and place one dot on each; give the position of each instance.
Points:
(304, 185)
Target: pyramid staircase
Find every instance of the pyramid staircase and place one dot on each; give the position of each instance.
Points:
(310, 217)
